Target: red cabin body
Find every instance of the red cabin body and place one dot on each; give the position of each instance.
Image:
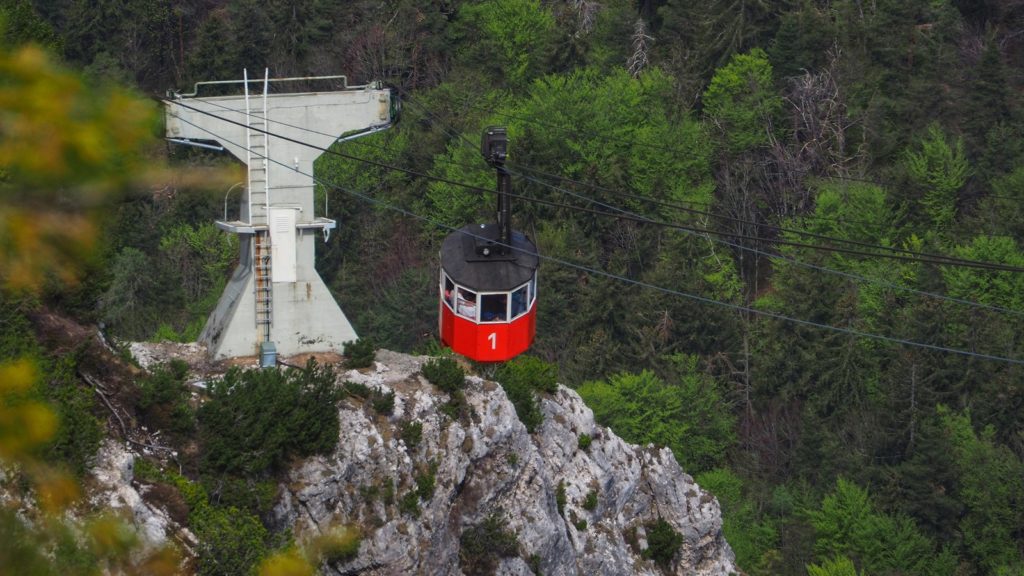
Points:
(488, 300)
(487, 342)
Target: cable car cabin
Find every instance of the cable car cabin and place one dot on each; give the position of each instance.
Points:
(488, 309)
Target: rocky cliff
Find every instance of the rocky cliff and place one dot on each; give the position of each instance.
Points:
(416, 498)
(492, 466)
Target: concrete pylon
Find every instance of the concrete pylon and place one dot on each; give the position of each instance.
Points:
(276, 295)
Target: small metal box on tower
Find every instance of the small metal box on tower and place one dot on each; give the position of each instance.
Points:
(268, 355)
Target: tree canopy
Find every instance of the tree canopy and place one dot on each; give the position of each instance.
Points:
(793, 229)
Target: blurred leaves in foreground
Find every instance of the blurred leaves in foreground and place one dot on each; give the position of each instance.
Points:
(66, 149)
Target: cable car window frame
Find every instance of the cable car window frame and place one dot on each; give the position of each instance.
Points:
(526, 302)
(475, 301)
(533, 290)
(448, 294)
(480, 307)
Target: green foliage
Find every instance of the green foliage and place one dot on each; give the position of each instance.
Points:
(383, 402)
(847, 524)
(341, 545)
(691, 417)
(356, 390)
(662, 542)
(411, 433)
(231, 541)
(525, 401)
(457, 408)
(583, 441)
(534, 563)
(166, 333)
(359, 353)
(123, 305)
(201, 255)
(802, 41)
(409, 504)
(481, 546)
(425, 481)
(940, 171)
(21, 24)
(839, 566)
(520, 378)
(512, 37)
(144, 470)
(753, 538)
(709, 33)
(16, 335)
(445, 373)
(991, 287)
(812, 405)
(387, 493)
(398, 311)
(164, 399)
(255, 496)
(529, 371)
(1003, 212)
(164, 286)
(625, 136)
(741, 101)
(560, 498)
(66, 549)
(991, 479)
(590, 502)
(256, 419)
(79, 432)
(384, 491)
(579, 523)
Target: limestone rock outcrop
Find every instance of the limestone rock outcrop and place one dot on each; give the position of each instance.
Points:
(490, 466)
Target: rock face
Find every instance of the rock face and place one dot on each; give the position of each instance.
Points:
(114, 490)
(490, 466)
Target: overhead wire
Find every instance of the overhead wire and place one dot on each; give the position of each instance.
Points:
(726, 217)
(455, 135)
(776, 256)
(616, 277)
(330, 151)
(708, 204)
(800, 263)
(880, 282)
(922, 258)
(355, 141)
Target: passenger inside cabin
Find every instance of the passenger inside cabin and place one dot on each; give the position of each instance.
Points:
(448, 289)
(519, 302)
(467, 304)
(493, 307)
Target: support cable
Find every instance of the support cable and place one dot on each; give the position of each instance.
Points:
(616, 277)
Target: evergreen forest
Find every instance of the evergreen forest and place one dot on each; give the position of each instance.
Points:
(784, 238)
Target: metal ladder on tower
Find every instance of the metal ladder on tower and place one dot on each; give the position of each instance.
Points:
(263, 286)
(258, 144)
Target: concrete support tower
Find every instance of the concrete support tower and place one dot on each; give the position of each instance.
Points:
(275, 301)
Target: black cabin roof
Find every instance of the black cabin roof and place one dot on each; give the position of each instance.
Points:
(462, 261)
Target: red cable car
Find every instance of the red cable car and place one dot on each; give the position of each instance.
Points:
(488, 287)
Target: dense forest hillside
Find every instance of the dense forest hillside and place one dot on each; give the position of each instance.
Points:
(782, 238)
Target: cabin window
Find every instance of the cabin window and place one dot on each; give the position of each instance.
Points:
(520, 299)
(466, 305)
(449, 292)
(494, 307)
